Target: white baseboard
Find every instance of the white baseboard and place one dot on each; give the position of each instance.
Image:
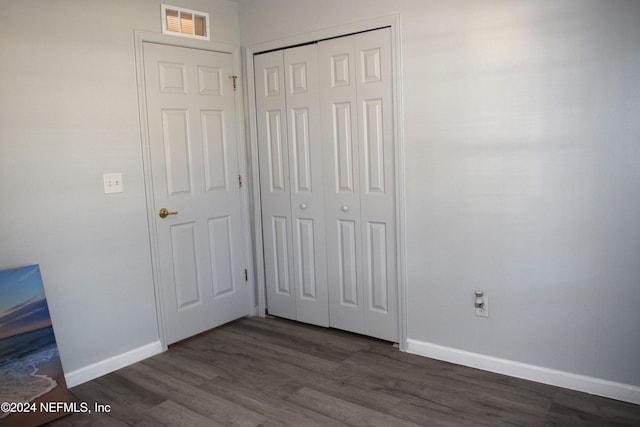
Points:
(597, 386)
(111, 364)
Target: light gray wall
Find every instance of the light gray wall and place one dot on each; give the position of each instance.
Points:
(522, 137)
(522, 150)
(68, 114)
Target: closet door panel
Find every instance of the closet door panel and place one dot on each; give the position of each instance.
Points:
(377, 195)
(275, 188)
(306, 171)
(338, 103)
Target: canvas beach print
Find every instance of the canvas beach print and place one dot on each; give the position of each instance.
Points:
(30, 369)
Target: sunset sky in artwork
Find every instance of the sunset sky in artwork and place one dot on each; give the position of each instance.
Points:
(23, 306)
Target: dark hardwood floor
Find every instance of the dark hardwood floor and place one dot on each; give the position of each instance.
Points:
(275, 372)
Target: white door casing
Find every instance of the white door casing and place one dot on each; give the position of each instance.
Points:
(191, 129)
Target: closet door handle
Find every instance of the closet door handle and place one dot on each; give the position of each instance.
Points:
(303, 206)
(345, 208)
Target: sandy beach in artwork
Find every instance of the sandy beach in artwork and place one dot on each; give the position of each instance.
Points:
(59, 393)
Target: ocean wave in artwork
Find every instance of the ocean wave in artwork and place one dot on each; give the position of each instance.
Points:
(20, 380)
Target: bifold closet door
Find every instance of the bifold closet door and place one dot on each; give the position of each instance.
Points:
(357, 134)
(291, 184)
(326, 157)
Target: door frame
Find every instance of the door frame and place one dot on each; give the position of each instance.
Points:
(392, 21)
(169, 40)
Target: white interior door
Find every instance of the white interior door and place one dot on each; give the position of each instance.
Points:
(291, 184)
(357, 134)
(194, 168)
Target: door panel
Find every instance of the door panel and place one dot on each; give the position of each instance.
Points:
(291, 163)
(220, 242)
(343, 146)
(210, 80)
(276, 151)
(306, 266)
(377, 263)
(297, 74)
(377, 200)
(341, 71)
(355, 87)
(307, 201)
(193, 155)
(347, 264)
(273, 156)
(185, 268)
(301, 149)
(337, 76)
(176, 141)
(370, 65)
(215, 150)
(172, 77)
(281, 256)
(373, 145)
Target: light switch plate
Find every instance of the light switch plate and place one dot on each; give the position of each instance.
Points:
(112, 183)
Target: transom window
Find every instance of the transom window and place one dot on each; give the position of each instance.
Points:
(185, 22)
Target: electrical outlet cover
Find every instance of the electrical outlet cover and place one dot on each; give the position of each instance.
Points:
(112, 183)
(484, 311)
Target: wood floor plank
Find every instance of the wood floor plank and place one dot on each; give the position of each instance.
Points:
(241, 365)
(194, 398)
(314, 341)
(293, 356)
(562, 416)
(588, 405)
(170, 414)
(274, 372)
(270, 405)
(189, 370)
(127, 401)
(342, 410)
(447, 392)
(437, 400)
(406, 407)
(275, 375)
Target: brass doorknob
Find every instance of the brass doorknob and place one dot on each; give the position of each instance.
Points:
(165, 213)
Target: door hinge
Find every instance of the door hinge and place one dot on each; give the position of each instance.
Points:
(246, 275)
(240, 181)
(235, 82)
